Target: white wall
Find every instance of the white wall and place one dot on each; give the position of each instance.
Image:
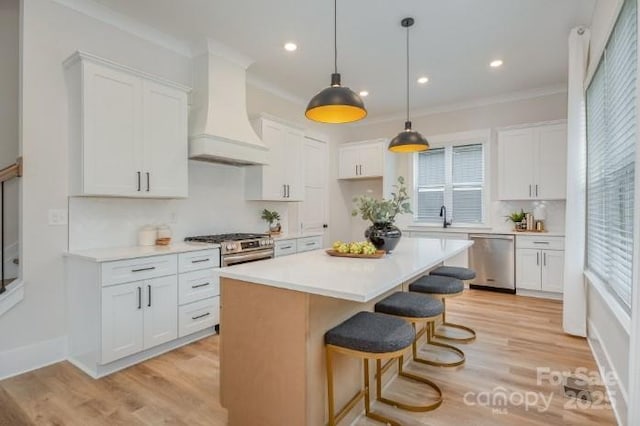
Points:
(497, 115)
(9, 122)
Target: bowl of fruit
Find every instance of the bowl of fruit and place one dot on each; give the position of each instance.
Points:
(359, 249)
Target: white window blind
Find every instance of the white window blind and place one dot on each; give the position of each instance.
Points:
(452, 177)
(611, 140)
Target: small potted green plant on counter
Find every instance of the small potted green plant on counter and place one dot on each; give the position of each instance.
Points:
(273, 219)
(382, 214)
(516, 218)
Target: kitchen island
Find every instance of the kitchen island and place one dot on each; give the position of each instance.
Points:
(273, 318)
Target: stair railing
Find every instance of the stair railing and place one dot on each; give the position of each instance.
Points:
(6, 174)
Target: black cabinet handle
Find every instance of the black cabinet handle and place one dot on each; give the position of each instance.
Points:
(139, 184)
(139, 297)
(151, 268)
(148, 182)
(310, 244)
(149, 303)
(285, 247)
(201, 316)
(200, 260)
(538, 258)
(200, 285)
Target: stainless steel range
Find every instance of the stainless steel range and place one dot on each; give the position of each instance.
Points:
(239, 248)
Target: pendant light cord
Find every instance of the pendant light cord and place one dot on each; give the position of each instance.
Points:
(407, 73)
(335, 36)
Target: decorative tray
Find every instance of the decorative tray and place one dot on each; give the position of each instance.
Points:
(378, 254)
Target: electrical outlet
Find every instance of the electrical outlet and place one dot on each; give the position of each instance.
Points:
(58, 217)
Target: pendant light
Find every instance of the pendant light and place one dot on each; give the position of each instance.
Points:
(336, 104)
(408, 140)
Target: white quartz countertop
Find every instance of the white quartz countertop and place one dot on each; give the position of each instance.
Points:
(359, 280)
(463, 230)
(296, 235)
(121, 253)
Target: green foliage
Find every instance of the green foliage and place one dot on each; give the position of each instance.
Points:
(270, 216)
(383, 211)
(516, 217)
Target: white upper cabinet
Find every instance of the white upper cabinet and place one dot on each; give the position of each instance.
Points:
(128, 131)
(532, 162)
(359, 160)
(283, 178)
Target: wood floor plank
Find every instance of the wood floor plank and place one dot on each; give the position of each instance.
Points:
(516, 336)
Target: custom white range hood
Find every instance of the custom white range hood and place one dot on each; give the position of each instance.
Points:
(220, 131)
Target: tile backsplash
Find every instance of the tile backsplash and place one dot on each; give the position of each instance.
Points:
(216, 204)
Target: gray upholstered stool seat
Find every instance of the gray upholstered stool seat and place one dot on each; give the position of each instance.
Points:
(379, 337)
(454, 272)
(413, 305)
(437, 284)
(371, 332)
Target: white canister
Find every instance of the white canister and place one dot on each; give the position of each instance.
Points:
(164, 231)
(147, 236)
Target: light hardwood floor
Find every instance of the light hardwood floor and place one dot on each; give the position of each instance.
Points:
(516, 335)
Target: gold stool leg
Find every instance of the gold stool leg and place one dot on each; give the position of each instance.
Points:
(367, 403)
(429, 330)
(334, 419)
(469, 339)
(409, 407)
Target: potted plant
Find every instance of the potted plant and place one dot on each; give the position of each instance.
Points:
(516, 218)
(273, 219)
(382, 214)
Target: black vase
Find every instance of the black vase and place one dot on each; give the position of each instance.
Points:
(384, 235)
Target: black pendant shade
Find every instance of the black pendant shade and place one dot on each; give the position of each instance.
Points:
(408, 140)
(336, 104)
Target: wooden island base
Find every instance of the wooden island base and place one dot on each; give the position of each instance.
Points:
(272, 355)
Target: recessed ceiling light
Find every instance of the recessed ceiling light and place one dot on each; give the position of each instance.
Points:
(290, 47)
(364, 93)
(423, 80)
(495, 64)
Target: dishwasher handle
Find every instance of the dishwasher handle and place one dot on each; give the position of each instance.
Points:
(492, 237)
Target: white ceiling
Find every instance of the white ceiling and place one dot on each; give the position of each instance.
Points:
(453, 42)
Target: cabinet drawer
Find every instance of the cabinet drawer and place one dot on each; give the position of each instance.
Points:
(542, 242)
(196, 260)
(198, 285)
(309, 243)
(198, 316)
(124, 271)
(285, 247)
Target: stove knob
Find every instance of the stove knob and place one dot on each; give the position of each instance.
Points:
(230, 247)
(264, 242)
(270, 242)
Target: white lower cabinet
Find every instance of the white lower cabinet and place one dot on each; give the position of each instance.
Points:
(540, 263)
(138, 316)
(122, 312)
(297, 245)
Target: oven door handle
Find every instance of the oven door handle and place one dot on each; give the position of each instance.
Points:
(242, 258)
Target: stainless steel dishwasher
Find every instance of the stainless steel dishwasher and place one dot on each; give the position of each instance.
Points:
(492, 256)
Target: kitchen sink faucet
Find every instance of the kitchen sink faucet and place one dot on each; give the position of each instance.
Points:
(443, 215)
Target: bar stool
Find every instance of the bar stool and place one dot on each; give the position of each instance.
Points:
(369, 335)
(443, 287)
(419, 309)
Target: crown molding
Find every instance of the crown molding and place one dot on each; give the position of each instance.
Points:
(275, 90)
(127, 24)
(474, 103)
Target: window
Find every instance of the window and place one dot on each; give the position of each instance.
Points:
(452, 176)
(611, 140)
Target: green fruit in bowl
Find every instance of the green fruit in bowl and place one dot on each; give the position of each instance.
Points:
(355, 248)
(343, 248)
(337, 244)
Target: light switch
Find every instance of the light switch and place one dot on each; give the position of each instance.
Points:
(58, 217)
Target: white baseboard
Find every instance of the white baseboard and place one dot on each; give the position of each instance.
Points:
(24, 359)
(605, 366)
(539, 294)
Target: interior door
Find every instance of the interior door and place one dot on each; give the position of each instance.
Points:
(112, 153)
(315, 206)
(165, 142)
(553, 270)
(528, 274)
(551, 172)
(122, 317)
(516, 158)
(160, 310)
